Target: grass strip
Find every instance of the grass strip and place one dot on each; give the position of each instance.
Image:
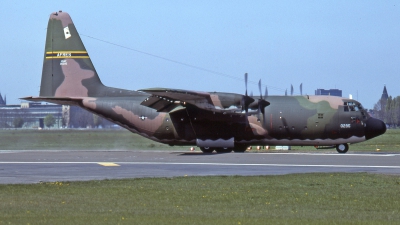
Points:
(320, 198)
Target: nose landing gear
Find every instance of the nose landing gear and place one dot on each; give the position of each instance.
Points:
(342, 148)
(206, 149)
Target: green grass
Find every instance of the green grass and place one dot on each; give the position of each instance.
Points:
(295, 199)
(390, 141)
(125, 140)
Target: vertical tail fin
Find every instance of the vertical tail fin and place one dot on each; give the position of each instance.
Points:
(67, 68)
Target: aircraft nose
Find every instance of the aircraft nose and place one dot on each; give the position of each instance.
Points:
(374, 127)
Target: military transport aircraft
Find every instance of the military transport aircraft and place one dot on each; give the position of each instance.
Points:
(223, 122)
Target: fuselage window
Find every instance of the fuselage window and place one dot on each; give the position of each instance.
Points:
(320, 115)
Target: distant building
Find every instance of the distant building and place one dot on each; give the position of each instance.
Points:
(385, 95)
(33, 114)
(332, 92)
(384, 99)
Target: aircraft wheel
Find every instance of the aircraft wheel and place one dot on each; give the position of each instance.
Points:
(240, 148)
(342, 148)
(206, 149)
(223, 150)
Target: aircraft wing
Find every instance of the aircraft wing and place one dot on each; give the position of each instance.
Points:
(165, 100)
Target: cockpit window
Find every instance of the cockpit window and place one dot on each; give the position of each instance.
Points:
(352, 107)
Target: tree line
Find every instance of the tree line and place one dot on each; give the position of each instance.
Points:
(388, 111)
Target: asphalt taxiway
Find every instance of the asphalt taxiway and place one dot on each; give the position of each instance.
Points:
(49, 166)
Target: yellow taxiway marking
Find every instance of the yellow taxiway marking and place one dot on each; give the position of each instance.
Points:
(108, 164)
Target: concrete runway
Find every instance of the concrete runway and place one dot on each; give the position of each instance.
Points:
(49, 166)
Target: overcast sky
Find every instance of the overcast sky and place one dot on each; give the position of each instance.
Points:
(209, 45)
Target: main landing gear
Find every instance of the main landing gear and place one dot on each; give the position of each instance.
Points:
(342, 148)
(206, 149)
(218, 150)
(223, 150)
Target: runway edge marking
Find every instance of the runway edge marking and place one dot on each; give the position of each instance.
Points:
(108, 164)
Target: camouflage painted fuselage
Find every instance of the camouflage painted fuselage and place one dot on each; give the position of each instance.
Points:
(184, 117)
(289, 120)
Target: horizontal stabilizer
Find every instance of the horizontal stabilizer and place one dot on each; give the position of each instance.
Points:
(55, 100)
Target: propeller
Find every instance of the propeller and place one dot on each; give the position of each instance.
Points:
(262, 103)
(246, 100)
(301, 89)
(291, 89)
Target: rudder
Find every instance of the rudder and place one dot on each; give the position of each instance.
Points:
(67, 68)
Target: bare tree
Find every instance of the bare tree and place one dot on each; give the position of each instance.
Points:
(80, 118)
(97, 120)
